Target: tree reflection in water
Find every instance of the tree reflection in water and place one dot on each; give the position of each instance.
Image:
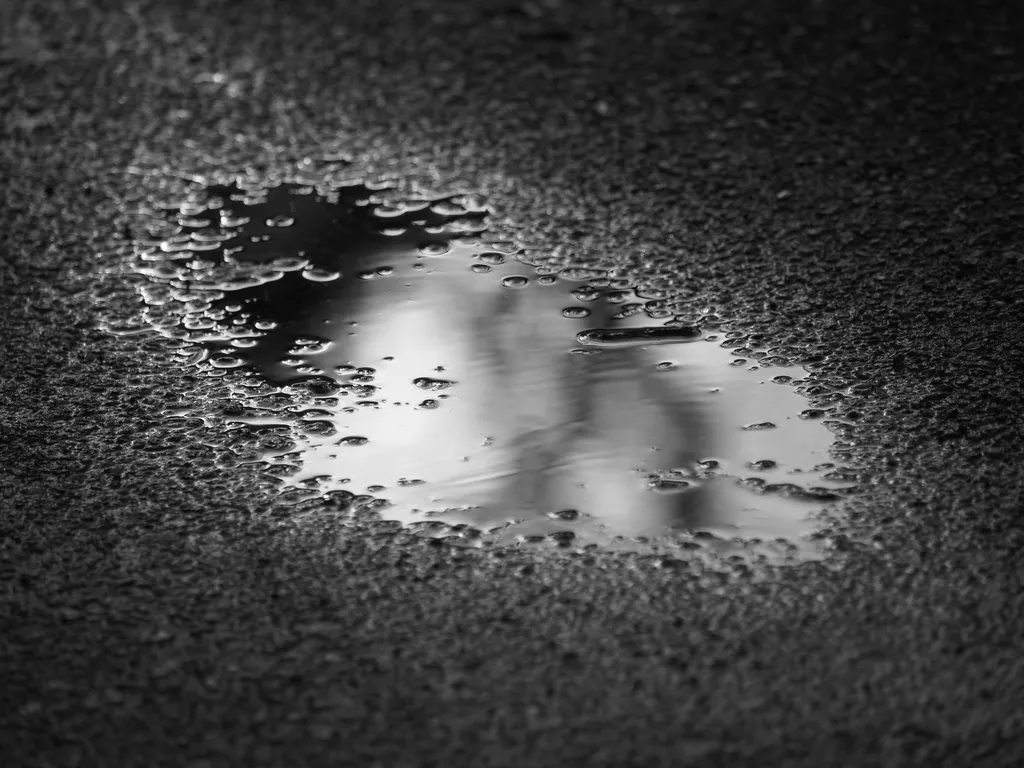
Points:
(465, 393)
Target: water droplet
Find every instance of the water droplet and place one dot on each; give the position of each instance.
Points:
(581, 273)
(280, 221)
(661, 485)
(575, 313)
(425, 382)
(492, 257)
(353, 440)
(665, 366)
(480, 268)
(429, 404)
(226, 361)
(515, 281)
(586, 293)
(434, 249)
(623, 337)
(763, 465)
(568, 515)
(319, 275)
(813, 413)
(760, 425)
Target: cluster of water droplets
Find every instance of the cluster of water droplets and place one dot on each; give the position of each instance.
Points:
(384, 354)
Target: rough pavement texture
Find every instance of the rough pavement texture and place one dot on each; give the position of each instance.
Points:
(846, 175)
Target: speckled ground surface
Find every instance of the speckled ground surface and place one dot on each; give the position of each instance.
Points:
(849, 175)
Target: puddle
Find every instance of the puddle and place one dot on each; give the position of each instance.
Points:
(389, 351)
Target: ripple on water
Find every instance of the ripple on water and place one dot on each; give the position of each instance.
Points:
(352, 312)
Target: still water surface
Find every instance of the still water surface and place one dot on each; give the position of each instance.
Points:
(409, 359)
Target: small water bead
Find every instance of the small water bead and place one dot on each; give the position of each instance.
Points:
(480, 268)
(666, 366)
(473, 202)
(194, 223)
(425, 382)
(515, 281)
(353, 440)
(586, 293)
(320, 275)
(813, 413)
(280, 221)
(582, 273)
(760, 425)
(504, 246)
(547, 280)
(567, 515)
(492, 257)
(662, 485)
(434, 249)
(532, 538)
(204, 245)
(575, 313)
(429, 404)
(448, 208)
(321, 428)
(763, 465)
(289, 263)
(385, 271)
(226, 361)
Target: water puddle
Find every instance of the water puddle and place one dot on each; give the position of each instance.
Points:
(385, 351)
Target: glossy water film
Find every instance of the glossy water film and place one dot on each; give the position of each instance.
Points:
(387, 353)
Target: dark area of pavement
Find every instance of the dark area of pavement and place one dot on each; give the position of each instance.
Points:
(843, 175)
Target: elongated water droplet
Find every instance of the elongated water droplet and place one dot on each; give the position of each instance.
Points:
(632, 337)
(425, 382)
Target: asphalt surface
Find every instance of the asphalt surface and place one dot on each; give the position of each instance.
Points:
(843, 176)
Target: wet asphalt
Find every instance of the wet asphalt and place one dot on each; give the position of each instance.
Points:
(843, 176)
